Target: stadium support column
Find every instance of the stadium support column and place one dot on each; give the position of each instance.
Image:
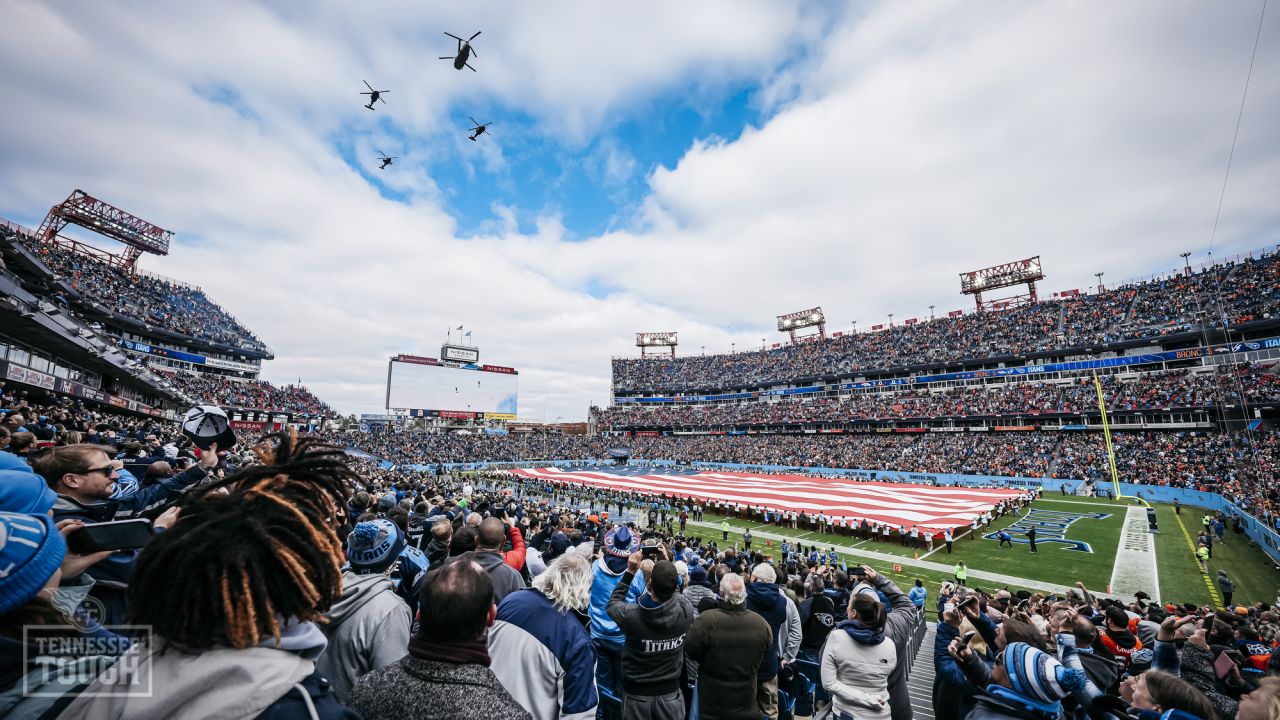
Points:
(1106, 433)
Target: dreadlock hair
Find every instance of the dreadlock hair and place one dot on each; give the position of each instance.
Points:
(234, 564)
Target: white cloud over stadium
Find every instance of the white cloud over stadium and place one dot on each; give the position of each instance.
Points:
(901, 144)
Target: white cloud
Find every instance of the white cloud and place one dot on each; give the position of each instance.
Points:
(910, 143)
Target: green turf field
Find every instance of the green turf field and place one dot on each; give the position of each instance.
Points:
(1180, 579)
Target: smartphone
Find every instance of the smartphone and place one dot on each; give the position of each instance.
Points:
(649, 551)
(965, 638)
(117, 535)
(972, 599)
(1222, 665)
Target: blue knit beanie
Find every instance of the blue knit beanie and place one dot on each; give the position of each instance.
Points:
(22, 491)
(31, 551)
(1037, 675)
(373, 546)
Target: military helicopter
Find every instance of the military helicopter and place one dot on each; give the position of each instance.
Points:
(374, 95)
(385, 160)
(478, 130)
(464, 51)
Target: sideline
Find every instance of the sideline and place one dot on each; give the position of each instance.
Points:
(1208, 580)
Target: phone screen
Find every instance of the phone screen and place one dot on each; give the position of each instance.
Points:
(1222, 666)
(119, 535)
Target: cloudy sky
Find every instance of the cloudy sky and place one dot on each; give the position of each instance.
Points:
(700, 167)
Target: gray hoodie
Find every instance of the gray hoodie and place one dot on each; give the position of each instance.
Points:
(368, 629)
(217, 684)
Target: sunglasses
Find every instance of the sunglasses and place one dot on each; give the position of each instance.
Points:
(105, 470)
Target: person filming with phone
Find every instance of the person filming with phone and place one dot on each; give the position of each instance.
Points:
(84, 478)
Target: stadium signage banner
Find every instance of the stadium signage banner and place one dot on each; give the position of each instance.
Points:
(17, 373)
(1051, 527)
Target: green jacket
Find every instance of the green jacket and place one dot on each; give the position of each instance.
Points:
(962, 572)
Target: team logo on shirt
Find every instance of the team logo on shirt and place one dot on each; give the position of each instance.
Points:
(1051, 527)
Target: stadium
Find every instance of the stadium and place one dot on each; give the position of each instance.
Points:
(1052, 502)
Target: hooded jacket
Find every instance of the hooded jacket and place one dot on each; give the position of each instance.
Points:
(653, 650)
(217, 684)
(729, 642)
(768, 602)
(368, 628)
(856, 665)
(603, 581)
(505, 580)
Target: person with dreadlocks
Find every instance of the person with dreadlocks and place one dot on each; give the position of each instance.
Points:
(232, 593)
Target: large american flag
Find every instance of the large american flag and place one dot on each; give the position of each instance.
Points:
(894, 504)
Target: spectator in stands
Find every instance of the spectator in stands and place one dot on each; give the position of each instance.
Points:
(84, 478)
(729, 643)
(446, 674)
(619, 544)
(817, 618)
(1026, 683)
(540, 651)
(766, 599)
(856, 661)
(369, 625)
(232, 593)
(36, 681)
(653, 651)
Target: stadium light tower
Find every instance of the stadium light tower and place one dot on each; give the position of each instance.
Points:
(651, 342)
(1020, 272)
(1185, 259)
(813, 317)
(931, 312)
(92, 214)
(1099, 276)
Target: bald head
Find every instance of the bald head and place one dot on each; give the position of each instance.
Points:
(491, 534)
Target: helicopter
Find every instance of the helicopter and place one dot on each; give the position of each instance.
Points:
(464, 51)
(385, 160)
(374, 95)
(478, 130)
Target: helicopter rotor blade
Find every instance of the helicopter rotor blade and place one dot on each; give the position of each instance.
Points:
(473, 51)
(447, 57)
(455, 37)
(473, 37)
(382, 99)
(473, 120)
(471, 68)
(366, 84)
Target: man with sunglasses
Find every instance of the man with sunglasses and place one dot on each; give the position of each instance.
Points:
(84, 477)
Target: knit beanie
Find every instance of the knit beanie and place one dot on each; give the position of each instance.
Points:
(373, 546)
(31, 551)
(23, 491)
(1039, 676)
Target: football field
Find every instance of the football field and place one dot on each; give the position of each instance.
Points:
(1078, 539)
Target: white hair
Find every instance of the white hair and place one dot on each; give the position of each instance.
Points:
(733, 590)
(566, 582)
(764, 573)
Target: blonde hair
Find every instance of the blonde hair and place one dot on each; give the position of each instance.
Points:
(976, 643)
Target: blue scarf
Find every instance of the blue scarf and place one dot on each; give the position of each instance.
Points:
(861, 634)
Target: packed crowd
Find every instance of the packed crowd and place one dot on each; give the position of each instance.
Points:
(1177, 389)
(1240, 292)
(177, 308)
(292, 583)
(249, 394)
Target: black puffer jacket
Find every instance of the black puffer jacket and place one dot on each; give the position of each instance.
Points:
(729, 642)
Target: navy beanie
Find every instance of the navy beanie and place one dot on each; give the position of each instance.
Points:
(374, 546)
(31, 551)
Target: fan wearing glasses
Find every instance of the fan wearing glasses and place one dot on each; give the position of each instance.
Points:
(84, 477)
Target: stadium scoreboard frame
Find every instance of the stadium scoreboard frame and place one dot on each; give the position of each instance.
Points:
(649, 342)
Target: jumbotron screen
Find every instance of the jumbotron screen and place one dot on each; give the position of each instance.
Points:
(439, 389)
